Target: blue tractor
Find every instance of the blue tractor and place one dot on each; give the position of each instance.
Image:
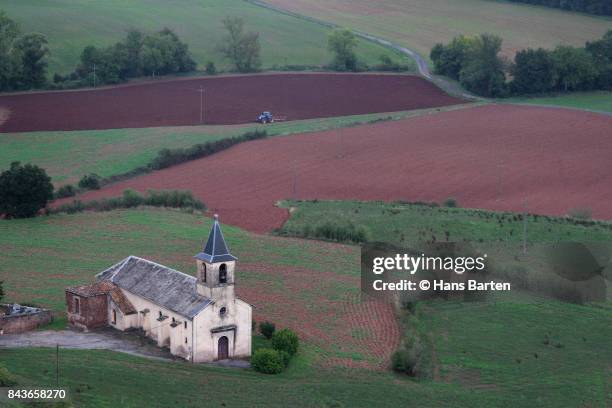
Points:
(265, 117)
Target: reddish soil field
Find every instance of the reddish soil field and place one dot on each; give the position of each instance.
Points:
(227, 100)
(492, 157)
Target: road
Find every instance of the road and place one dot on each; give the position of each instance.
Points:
(422, 66)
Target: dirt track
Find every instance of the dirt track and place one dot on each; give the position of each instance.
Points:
(490, 157)
(227, 100)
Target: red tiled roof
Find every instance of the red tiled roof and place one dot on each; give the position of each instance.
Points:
(105, 288)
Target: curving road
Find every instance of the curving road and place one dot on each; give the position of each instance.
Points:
(423, 68)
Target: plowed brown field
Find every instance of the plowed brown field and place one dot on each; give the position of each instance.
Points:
(227, 100)
(493, 157)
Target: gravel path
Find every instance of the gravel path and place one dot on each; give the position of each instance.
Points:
(104, 339)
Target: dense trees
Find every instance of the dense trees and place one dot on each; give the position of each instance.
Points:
(22, 57)
(342, 43)
(533, 71)
(482, 72)
(602, 7)
(241, 47)
(138, 54)
(475, 62)
(24, 190)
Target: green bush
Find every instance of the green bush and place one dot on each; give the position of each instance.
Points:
(211, 69)
(6, 378)
(267, 329)
(451, 203)
(267, 361)
(66, 191)
(285, 340)
(90, 182)
(24, 190)
(131, 198)
(403, 361)
(340, 233)
(170, 157)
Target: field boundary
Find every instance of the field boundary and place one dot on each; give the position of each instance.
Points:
(422, 66)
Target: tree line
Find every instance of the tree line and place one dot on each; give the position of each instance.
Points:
(23, 57)
(476, 63)
(599, 7)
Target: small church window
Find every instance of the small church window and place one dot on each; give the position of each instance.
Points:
(204, 272)
(185, 324)
(222, 311)
(114, 316)
(185, 340)
(223, 273)
(77, 305)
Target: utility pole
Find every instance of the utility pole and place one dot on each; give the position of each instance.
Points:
(201, 90)
(524, 226)
(294, 186)
(57, 364)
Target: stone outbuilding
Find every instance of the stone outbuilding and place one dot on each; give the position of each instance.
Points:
(198, 318)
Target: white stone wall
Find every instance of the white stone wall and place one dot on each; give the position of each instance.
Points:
(162, 332)
(180, 339)
(238, 313)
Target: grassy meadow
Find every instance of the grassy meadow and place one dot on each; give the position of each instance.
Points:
(419, 24)
(600, 101)
(70, 25)
(485, 353)
(405, 224)
(67, 156)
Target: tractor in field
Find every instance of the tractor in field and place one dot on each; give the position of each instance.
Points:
(267, 117)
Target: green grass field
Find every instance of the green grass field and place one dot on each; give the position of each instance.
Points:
(67, 156)
(597, 101)
(70, 25)
(408, 224)
(419, 24)
(487, 353)
(496, 344)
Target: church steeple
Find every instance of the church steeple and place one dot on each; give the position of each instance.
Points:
(216, 249)
(216, 266)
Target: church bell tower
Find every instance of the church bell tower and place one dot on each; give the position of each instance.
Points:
(215, 278)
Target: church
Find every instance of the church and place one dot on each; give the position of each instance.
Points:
(197, 318)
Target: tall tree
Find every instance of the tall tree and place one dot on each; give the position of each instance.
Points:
(241, 47)
(32, 50)
(9, 62)
(574, 68)
(483, 70)
(449, 59)
(532, 71)
(601, 52)
(24, 190)
(342, 43)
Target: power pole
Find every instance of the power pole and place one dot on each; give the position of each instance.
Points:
(57, 364)
(525, 227)
(201, 90)
(294, 186)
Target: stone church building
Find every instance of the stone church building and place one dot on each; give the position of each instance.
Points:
(198, 318)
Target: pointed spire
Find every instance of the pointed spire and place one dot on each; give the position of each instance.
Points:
(215, 249)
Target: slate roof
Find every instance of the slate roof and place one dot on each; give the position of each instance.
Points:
(104, 288)
(216, 249)
(161, 285)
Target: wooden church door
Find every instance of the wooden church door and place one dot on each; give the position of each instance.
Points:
(223, 348)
